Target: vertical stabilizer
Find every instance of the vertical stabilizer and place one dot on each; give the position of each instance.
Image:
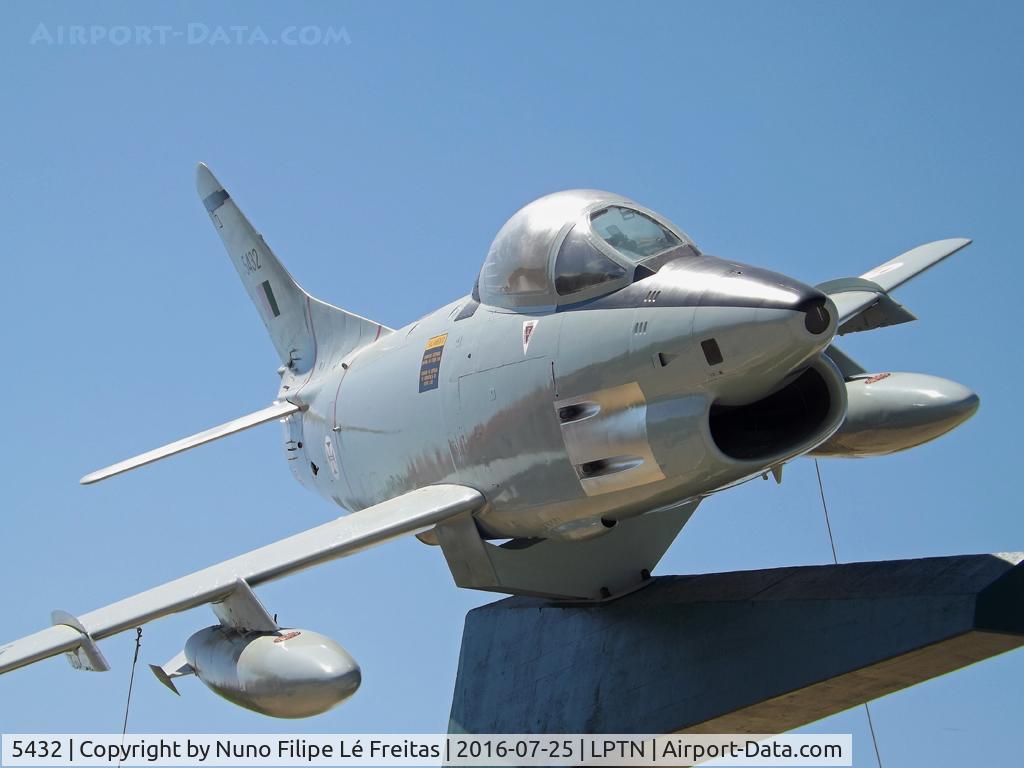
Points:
(292, 317)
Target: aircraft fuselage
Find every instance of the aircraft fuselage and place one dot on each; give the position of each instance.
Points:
(564, 418)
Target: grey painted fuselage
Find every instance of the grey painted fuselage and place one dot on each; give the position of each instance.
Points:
(563, 415)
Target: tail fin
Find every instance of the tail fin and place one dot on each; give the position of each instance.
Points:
(293, 318)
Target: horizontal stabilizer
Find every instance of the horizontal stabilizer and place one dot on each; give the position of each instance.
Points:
(272, 413)
(409, 513)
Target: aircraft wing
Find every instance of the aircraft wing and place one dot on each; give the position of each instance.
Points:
(864, 302)
(405, 514)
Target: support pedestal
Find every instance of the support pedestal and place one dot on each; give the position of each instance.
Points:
(746, 652)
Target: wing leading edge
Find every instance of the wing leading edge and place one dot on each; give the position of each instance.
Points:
(409, 513)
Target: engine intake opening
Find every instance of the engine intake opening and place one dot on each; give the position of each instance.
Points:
(775, 424)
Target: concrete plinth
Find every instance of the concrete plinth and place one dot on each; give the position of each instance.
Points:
(746, 652)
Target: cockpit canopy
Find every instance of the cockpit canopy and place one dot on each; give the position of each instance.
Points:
(572, 246)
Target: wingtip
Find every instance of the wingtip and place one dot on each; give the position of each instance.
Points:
(958, 242)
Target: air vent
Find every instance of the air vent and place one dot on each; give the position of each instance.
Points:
(640, 327)
(604, 467)
(577, 412)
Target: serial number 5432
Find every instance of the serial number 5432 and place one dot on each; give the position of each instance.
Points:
(251, 261)
(35, 748)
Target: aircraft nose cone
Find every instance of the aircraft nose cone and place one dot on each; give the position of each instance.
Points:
(817, 314)
(772, 290)
(818, 311)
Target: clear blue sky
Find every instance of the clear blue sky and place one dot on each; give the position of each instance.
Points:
(817, 139)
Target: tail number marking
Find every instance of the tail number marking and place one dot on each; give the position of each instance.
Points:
(251, 261)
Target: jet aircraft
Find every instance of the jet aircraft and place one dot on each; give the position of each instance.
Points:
(551, 433)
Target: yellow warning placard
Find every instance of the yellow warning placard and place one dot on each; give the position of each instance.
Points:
(430, 366)
(437, 341)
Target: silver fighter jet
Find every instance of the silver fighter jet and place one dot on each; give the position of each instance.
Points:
(551, 432)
